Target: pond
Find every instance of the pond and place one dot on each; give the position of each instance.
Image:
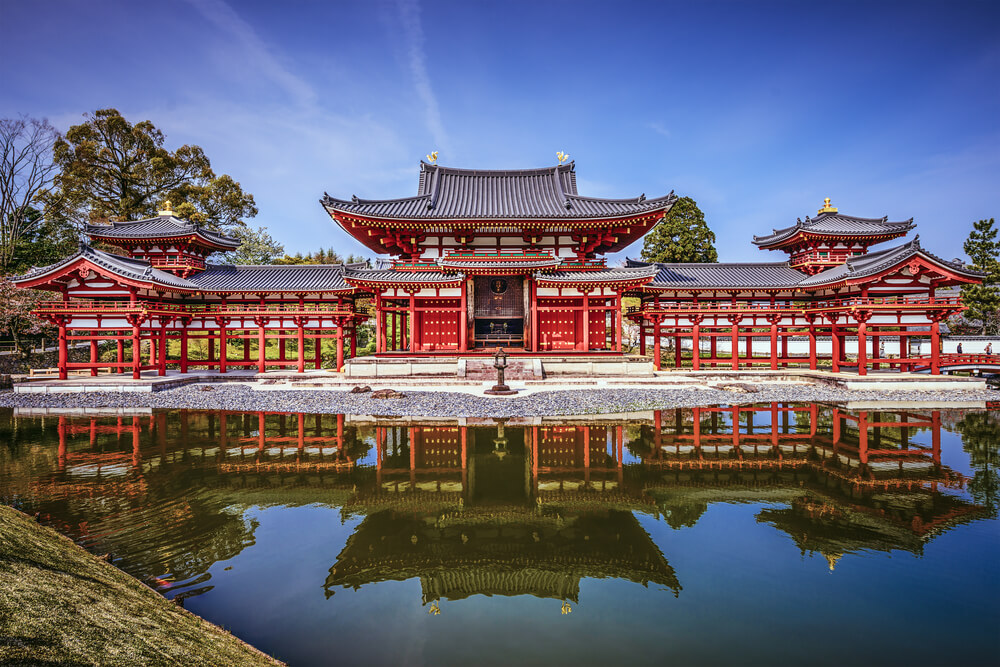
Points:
(753, 535)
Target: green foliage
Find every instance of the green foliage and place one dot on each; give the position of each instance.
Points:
(112, 169)
(321, 256)
(983, 301)
(44, 241)
(682, 236)
(981, 439)
(256, 247)
(16, 317)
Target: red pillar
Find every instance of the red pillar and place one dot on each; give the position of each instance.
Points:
(642, 338)
(121, 354)
(93, 353)
(736, 347)
(354, 339)
(657, 363)
(136, 352)
(696, 347)
(463, 319)
(301, 362)
(712, 347)
(876, 356)
(750, 350)
(586, 321)
(161, 360)
(319, 349)
(184, 347)
(862, 348)
(412, 331)
(677, 351)
(812, 347)
(904, 350)
(340, 345)
(393, 316)
(774, 346)
(784, 348)
(935, 348)
(261, 348)
(618, 322)
(222, 347)
(63, 353)
(835, 349)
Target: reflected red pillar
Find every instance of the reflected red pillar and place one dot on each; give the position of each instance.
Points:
(936, 436)
(863, 436)
(136, 457)
(302, 431)
(620, 450)
(222, 433)
(835, 436)
(61, 429)
(412, 433)
(260, 431)
(657, 436)
(586, 455)
(464, 434)
(534, 458)
(696, 427)
(340, 435)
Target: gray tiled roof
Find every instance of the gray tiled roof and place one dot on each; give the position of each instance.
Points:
(448, 193)
(273, 278)
(391, 276)
(872, 263)
(837, 224)
(724, 276)
(635, 272)
(133, 269)
(162, 226)
(469, 264)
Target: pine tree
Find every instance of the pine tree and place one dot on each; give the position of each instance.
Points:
(682, 236)
(983, 301)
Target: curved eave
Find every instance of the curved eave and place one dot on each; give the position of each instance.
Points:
(402, 282)
(193, 238)
(784, 239)
(47, 277)
(948, 270)
(274, 290)
(624, 283)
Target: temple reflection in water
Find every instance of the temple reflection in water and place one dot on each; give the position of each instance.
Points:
(480, 507)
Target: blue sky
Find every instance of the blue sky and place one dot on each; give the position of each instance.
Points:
(757, 110)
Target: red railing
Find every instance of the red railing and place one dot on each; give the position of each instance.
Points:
(848, 303)
(82, 306)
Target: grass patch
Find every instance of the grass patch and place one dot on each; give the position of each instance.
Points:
(61, 605)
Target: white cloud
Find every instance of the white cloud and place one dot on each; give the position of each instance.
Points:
(413, 34)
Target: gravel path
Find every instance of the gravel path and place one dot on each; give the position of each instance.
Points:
(240, 397)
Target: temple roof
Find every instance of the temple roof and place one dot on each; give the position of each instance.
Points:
(132, 269)
(630, 273)
(448, 193)
(274, 278)
(390, 276)
(771, 275)
(836, 224)
(162, 226)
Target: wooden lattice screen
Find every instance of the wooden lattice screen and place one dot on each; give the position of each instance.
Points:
(499, 296)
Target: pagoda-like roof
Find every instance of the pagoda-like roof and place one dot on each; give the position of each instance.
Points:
(834, 224)
(274, 278)
(160, 227)
(134, 270)
(447, 193)
(479, 262)
(366, 277)
(633, 274)
(780, 275)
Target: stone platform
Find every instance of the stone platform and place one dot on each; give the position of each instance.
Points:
(518, 367)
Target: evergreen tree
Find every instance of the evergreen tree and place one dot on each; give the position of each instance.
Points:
(983, 301)
(682, 236)
(256, 247)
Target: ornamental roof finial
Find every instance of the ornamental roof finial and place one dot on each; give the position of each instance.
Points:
(562, 157)
(167, 209)
(827, 208)
(433, 157)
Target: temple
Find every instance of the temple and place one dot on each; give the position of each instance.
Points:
(513, 258)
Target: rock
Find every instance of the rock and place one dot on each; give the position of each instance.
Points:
(205, 387)
(739, 388)
(361, 390)
(388, 393)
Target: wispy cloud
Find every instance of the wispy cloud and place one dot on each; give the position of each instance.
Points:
(659, 129)
(257, 53)
(413, 34)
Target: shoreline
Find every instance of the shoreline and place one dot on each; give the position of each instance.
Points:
(461, 402)
(60, 604)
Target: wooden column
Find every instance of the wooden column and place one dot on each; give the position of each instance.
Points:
(184, 346)
(876, 353)
(736, 347)
(677, 351)
(784, 348)
(412, 328)
(862, 348)
(340, 345)
(696, 346)
(642, 338)
(812, 347)
(63, 353)
(161, 360)
(261, 346)
(354, 339)
(586, 321)
(223, 346)
(656, 345)
(618, 321)
(935, 348)
(535, 328)
(392, 337)
(774, 346)
(904, 350)
(93, 353)
(835, 348)
(301, 334)
(379, 325)
(319, 350)
(282, 348)
(712, 348)
(136, 352)
(121, 355)
(463, 326)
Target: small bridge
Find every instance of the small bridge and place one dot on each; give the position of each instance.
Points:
(956, 362)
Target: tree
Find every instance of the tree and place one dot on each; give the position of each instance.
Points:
(682, 236)
(112, 169)
(44, 241)
(321, 257)
(256, 247)
(16, 318)
(981, 440)
(983, 301)
(26, 171)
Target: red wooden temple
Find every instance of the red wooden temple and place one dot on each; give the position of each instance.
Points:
(486, 259)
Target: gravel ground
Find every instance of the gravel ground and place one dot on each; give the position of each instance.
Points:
(240, 397)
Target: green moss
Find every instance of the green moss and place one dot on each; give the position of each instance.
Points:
(61, 605)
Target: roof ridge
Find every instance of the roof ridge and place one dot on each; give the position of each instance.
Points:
(566, 166)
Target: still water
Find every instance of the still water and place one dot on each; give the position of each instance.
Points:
(801, 534)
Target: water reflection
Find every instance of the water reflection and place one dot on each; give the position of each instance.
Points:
(521, 507)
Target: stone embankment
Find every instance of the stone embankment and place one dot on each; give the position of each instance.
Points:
(60, 605)
(416, 403)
